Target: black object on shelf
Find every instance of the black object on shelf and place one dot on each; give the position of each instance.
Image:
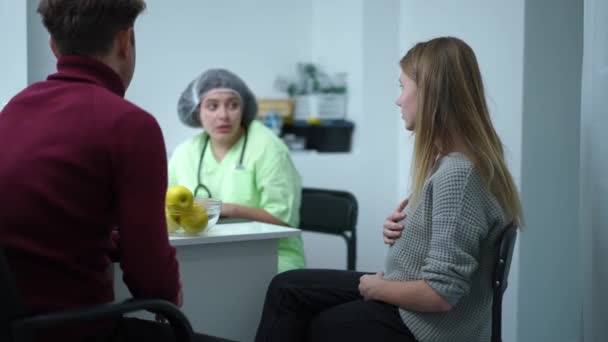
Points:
(325, 136)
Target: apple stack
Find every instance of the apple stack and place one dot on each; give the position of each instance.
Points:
(182, 211)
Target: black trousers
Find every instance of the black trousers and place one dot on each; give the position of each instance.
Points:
(325, 305)
(133, 329)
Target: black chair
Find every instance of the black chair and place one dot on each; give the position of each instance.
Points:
(506, 244)
(331, 212)
(17, 326)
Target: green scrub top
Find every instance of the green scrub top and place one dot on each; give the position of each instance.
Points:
(267, 180)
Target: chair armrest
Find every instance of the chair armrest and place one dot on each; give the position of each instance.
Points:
(178, 321)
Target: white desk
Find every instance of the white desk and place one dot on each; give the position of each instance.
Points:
(225, 273)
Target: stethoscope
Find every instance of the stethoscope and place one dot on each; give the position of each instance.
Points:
(238, 166)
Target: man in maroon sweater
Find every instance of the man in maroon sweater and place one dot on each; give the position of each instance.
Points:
(79, 161)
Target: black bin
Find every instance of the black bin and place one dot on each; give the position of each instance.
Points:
(326, 136)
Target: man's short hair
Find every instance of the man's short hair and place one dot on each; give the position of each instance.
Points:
(87, 27)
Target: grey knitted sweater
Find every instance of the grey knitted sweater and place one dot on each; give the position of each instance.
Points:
(449, 241)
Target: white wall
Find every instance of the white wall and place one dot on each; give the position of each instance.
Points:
(550, 285)
(335, 52)
(378, 137)
(176, 41)
(13, 35)
(358, 37)
(41, 61)
(495, 31)
(594, 162)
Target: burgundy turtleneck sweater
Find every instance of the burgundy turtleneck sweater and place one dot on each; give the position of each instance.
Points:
(76, 161)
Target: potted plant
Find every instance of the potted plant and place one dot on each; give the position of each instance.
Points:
(317, 95)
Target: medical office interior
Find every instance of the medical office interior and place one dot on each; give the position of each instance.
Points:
(545, 68)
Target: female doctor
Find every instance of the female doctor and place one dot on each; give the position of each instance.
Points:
(237, 159)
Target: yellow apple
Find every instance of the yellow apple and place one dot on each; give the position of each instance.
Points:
(194, 220)
(172, 221)
(178, 199)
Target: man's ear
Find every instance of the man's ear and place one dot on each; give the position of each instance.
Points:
(125, 42)
(54, 47)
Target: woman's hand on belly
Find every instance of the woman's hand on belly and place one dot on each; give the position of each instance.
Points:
(392, 226)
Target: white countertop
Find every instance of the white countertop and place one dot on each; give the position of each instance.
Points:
(233, 232)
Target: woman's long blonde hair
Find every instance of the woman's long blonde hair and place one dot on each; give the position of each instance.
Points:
(452, 112)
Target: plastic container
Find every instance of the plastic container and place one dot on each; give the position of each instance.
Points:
(213, 207)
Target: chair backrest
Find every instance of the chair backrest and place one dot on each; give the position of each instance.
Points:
(331, 212)
(502, 265)
(328, 211)
(11, 307)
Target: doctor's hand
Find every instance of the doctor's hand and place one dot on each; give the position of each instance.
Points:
(370, 285)
(392, 226)
(228, 210)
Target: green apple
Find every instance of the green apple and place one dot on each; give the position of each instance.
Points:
(179, 199)
(194, 220)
